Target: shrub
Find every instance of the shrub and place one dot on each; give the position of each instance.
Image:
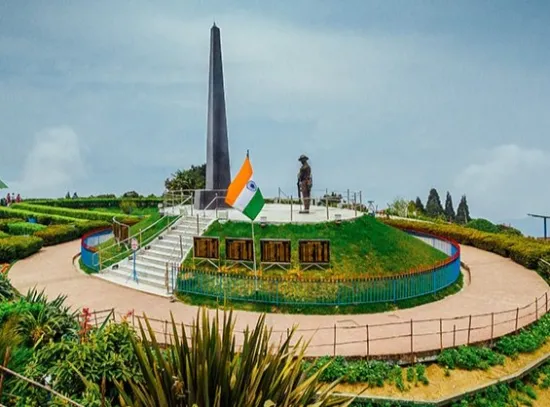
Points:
(88, 203)
(127, 206)
(483, 225)
(6, 221)
(44, 219)
(469, 358)
(521, 250)
(66, 212)
(18, 247)
(3, 235)
(24, 228)
(55, 234)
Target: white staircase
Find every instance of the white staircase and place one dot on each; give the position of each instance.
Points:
(151, 261)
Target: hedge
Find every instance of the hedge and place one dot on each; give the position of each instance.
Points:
(5, 222)
(87, 203)
(40, 218)
(56, 234)
(522, 250)
(24, 228)
(3, 235)
(71, 213)
(18, 247)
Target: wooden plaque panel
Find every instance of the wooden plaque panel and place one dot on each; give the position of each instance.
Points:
(239, 249)
(120, 231)
(314, 251)
(275, 251)
(206, 247)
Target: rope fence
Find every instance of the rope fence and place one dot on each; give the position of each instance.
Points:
(400, 338)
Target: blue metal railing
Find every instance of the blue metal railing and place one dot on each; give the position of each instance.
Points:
(339, 292)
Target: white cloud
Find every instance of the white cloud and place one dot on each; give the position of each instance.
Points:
(53, 165)
(509, 183)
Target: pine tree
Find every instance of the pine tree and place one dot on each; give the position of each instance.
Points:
(419, 206)
(433, 204)
(68, 196)
(463, 212)
(449, 210)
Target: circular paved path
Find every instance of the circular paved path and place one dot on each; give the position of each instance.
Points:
(497, 285)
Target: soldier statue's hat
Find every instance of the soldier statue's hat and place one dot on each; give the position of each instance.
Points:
(303, 157)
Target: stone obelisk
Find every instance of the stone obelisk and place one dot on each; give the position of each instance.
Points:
(218, 174)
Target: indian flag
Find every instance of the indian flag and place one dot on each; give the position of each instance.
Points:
(243, 194)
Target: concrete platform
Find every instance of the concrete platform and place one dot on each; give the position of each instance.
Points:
(282, 213)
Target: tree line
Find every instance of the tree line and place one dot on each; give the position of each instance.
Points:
(434, 209)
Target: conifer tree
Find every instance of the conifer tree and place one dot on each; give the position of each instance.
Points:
(449, 209)
(433, 204)
(463, 212)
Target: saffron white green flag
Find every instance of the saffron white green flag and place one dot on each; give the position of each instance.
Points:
(243, 194)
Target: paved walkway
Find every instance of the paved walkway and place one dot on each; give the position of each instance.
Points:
(497, 285)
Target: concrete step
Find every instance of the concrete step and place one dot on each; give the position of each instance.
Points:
(141, 285)
(175, 236)
(144, 278)
(159, 260)
(148, 272)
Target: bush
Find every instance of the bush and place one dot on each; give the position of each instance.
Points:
(6, 221)
(469, 358)
(56, 234)
(3, 235)
(67, 212)
(521, 250)
(483, 225)
(127, 206)
(88, 203)
(40, 218)
(18, 247)
(24, 228)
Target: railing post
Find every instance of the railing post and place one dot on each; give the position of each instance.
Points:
(334, 350)
(361, 199)
(492, 326)
(536, 309)
(469, 328)
(454, 336)
(181, 247)
(278, 194)
(166, 278)
(517, 318)
(291, 202)
(546, 301)
(441, 333)
(368, 346)
(347, 200)
(198, 228)
(355, 203)
(412, 338)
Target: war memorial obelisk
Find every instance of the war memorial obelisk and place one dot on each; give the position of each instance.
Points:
(218, 173)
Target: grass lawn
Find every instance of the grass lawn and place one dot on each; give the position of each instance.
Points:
(359, 248)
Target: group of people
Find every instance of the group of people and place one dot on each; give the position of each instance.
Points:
(9, 199)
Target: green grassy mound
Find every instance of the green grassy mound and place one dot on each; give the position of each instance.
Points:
(359, 248)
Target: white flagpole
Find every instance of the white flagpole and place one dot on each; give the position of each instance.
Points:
(254, 255)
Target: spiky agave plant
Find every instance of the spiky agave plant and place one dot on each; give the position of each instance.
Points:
(203, 367)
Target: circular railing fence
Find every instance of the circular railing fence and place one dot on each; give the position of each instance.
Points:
(334, 292)
(88, 246)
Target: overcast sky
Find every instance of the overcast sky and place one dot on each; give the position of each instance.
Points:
(388, 97)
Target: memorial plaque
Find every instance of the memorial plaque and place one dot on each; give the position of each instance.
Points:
(206, 247)
(275, 251)
(314, 251)
(239, 249)
(120, 231)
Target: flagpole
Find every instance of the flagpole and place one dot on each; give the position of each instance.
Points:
(254, 256)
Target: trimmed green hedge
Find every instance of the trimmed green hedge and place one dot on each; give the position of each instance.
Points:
(56, 234)
(5, 222)
(3, 235)
(522, 250)
(24, 228)
(18, 247)
(40, 218)
(87, 203)
(71, 213)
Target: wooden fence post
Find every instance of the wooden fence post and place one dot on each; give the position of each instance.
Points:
(412, 337)
(368, 346)
(469, 328)
(492, 326)
(454, 335)
(441, 333)
(2, 373)
(536, 309)
(165, 331)
(334, 350)
(546, 300)
(517, 318)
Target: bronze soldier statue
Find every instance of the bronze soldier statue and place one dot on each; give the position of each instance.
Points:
(305, 182)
